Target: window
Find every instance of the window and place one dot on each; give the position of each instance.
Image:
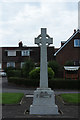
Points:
(77, 62)
(11, 64)
(77, 43)
(11, 53)
(25, 53)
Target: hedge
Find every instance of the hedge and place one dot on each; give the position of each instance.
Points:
(24, 81)
(14, 73)
(54, 84)
(64, 84)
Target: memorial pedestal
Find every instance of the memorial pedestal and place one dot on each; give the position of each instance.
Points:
(44, 102)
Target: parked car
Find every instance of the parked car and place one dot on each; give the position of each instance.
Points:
(2, 73)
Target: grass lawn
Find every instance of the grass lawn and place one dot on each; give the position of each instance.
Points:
(10, 98)
(71, 97)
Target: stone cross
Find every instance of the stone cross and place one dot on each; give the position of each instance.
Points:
(43, 40)
(44, 98)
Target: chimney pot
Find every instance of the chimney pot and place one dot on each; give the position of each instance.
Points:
(74, 30)
(20, 44)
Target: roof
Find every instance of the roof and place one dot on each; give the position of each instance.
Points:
(78, 31)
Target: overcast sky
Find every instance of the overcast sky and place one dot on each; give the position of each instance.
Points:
(23, 19)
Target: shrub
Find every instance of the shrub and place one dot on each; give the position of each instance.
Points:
(35, 74)
(27, 67)
(14, 73)
(54, 65)
(50, 73)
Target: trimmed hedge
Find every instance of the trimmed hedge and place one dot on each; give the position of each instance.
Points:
(54, 84)
(14, 73)
(64, 84)
(24, 81)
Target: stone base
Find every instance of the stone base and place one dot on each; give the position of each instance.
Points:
(44, 102)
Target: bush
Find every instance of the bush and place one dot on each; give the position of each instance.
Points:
(50, 74)
(54, 65)
(27, 67)
(14, 73)
(35, 74)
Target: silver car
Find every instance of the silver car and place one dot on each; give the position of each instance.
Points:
(2, 73)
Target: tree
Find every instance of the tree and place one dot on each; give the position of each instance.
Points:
(27, 67)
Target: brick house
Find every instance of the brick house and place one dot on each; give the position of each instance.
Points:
(70, 51)
(16, 56)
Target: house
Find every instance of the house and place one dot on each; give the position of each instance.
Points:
(69, 50)
(16, 56)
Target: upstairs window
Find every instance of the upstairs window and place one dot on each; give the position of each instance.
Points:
(25, 53)
(77, 43)
(11, 53)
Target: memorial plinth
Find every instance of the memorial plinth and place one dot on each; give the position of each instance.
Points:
(44, 98)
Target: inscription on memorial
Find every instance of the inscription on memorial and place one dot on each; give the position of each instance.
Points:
(43, 95)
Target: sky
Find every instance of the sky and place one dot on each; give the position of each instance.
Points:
(22, 20)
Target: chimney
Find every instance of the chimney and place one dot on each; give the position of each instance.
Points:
(62, 43)
(74, 31)
(20, 44)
